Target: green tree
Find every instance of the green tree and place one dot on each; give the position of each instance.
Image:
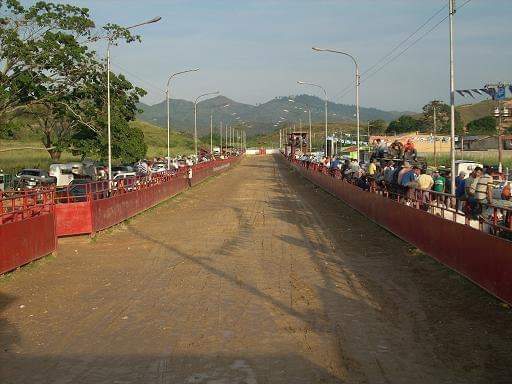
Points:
(377, 126)
(403, 124)
(40, 51)
(442, 118)
(90, 138)
(49, 72)
(483, 126)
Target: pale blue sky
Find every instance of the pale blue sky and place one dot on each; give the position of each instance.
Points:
(255, 50)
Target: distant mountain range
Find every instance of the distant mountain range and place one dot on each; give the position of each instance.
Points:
(261, 117)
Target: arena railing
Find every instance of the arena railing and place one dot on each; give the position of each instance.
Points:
(495, 219)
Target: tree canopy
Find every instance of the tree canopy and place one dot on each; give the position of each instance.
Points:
(50, 74)
(425, 123)
(483, 126)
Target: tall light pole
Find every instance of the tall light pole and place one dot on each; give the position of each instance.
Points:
(211, 128)
(452, 99)
(220, 134)
(109, 131)
(195, 116)
(310, 137)
(325, 93)
(167, 98)
(358, 82)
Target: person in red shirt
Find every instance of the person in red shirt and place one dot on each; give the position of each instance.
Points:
(409, 151)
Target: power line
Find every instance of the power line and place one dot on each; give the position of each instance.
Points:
(404, 40)
(412, 44)
(348, 88)
(151, 85)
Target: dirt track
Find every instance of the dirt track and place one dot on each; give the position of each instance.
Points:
(255, 276)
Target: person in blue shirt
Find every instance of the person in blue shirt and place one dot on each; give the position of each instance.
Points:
(460, 185)
(410, 177)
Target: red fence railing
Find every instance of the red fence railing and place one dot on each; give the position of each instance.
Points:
(20, 205)
(31, 220)
(433, 224)
(495, 219)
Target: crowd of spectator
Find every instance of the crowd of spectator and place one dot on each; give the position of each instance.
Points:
(412, 181)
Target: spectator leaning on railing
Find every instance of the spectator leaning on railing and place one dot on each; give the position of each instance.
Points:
(481, 187)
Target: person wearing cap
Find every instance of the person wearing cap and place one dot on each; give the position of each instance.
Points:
(405, 168)
(439, 182)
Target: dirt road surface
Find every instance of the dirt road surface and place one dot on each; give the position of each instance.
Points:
(255, 276)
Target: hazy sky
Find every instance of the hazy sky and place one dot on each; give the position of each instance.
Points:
(255, 50)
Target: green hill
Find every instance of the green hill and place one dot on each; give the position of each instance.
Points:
(470, 112)
(156, 140)
(28, 151)
(261, 117)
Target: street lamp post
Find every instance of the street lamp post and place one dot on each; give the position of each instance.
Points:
(109, 130)
(358, 82)
(167, 98)
(325, 94)
(195, 116)
(451, 9)
(211, 129)
(310, 137)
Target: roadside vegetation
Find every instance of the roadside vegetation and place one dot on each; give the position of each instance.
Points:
(53, 86)
(21, 152)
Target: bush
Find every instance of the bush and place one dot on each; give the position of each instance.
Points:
(483, 126)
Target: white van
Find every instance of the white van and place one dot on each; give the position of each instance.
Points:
(62, 172)
(467, 166)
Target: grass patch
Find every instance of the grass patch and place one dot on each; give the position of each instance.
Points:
(9, 276)
(155, 137)
(484, 157)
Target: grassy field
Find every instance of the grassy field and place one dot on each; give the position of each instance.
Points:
(156, 139)
(484, 157)
(23, 154)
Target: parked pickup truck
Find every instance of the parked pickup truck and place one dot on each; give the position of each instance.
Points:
(31, 178)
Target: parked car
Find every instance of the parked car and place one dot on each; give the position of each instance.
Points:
(467, 166)
(127, 181)
(158, 167)
(79, 189)
(62, 173)
(122, 170)
(30, 178)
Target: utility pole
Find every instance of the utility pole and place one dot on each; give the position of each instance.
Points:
(452, 99)
(211, 133)
(226, 141)
(310, 137)
(220, 130)
(500, 112)
(435, 136)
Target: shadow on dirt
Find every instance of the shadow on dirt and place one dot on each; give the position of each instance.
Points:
(166, 369)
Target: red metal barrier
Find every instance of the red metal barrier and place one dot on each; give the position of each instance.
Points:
(27, 228)
(482, 258)
(30, 221)
(96, 206)
(73, 218)
(113, 210)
